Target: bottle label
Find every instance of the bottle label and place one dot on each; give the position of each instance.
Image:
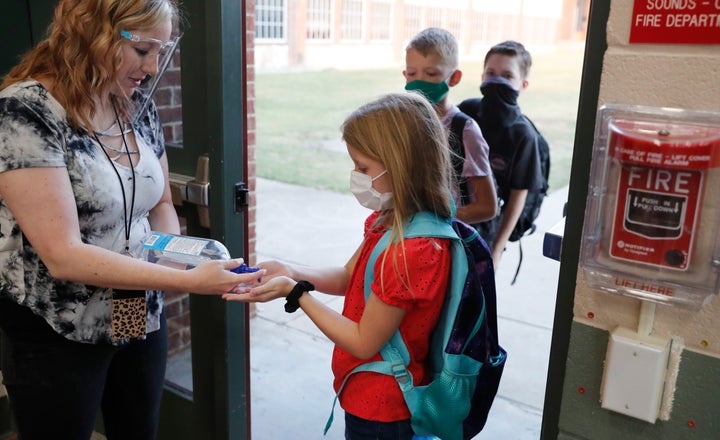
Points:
(172, 243)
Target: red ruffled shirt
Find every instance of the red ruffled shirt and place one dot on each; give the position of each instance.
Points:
(425, 267)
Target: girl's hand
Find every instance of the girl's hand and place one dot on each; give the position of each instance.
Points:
(275, 269)
(215, 277)
(278, 287)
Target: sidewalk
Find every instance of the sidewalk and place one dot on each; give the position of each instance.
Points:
(291, 381)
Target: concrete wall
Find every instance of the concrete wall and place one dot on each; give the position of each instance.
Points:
(682, 76)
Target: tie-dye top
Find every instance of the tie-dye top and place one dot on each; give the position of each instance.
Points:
(34, 132)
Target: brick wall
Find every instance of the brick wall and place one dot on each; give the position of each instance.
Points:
(168, 98)
(250, 124)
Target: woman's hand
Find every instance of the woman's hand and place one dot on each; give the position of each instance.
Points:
(278, 287)
(215, 277)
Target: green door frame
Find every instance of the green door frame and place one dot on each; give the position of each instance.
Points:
(214, 90)
(595, 47)
(22, 24)
(213, 96)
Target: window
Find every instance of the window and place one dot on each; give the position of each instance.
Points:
(380, 20)
(413, 20)
(270, 20)
(352, 20)
(454, 21)
(435, 17)
(319, 20)
(479, 27)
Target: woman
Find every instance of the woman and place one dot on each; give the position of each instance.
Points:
(401, 157)
(80, 186)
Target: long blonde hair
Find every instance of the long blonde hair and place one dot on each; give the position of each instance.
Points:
(404, 133)
(81, 53)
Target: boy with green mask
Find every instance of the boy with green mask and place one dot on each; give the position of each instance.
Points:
(431, 68)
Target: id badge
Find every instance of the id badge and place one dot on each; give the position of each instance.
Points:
(129, 319)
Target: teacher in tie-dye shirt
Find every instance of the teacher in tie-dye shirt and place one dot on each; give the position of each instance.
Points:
(83, 177)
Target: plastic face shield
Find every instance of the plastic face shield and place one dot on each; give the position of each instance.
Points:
(147, 47)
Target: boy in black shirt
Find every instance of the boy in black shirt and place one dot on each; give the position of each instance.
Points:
(513, 141)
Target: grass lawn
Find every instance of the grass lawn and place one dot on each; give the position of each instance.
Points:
(299, 115)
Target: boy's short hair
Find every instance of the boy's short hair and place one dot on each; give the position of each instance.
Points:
(438, 41)
(513, 49)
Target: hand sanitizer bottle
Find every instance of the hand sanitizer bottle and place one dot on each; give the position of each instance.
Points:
(159, 247)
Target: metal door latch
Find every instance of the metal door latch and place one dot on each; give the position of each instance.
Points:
(241, 196)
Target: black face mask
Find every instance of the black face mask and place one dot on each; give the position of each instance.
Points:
(499, 104)
(499, 90)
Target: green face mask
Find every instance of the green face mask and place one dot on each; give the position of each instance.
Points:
(434, 92)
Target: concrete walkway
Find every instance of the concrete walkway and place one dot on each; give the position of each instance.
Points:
(291, 381)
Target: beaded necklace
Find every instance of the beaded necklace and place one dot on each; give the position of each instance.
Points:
(127, 128)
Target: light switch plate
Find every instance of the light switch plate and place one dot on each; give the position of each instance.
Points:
(634, 374)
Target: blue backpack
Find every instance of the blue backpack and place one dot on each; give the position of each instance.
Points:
(465, 359)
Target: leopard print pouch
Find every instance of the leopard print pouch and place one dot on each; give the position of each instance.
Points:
(129, 319)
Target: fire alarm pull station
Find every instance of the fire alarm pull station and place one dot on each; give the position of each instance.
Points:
(651, 222)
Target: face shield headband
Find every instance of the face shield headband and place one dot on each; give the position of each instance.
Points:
(164, 50)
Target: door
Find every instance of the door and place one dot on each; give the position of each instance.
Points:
(22, 23)
(208, 167)
(213, 97)
(595, 47)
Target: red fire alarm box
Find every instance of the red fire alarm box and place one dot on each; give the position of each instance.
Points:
(651, 226)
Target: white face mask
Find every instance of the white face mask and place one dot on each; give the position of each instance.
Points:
(366, 195)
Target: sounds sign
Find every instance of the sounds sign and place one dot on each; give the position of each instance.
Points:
(675, 22)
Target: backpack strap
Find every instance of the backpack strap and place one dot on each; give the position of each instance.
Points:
(422, 224)
(472, 108)
(395, 354)
(544, 149)
(457, 126)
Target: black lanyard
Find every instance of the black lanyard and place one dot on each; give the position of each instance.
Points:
(127, 218)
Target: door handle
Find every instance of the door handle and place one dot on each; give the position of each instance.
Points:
(187, 189)
(194, 190)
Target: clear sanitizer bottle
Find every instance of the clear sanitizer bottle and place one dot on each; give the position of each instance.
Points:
(159, 247)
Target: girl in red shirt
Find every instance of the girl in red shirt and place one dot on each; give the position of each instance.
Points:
(401, 156)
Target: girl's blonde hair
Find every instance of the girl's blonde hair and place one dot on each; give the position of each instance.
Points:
(81, 53)
(403, 132)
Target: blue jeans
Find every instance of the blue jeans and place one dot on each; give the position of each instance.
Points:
(361, 429)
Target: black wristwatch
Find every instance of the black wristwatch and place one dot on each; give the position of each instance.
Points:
(292, 301)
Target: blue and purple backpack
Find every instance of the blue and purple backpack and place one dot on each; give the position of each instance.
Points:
(465, 360)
